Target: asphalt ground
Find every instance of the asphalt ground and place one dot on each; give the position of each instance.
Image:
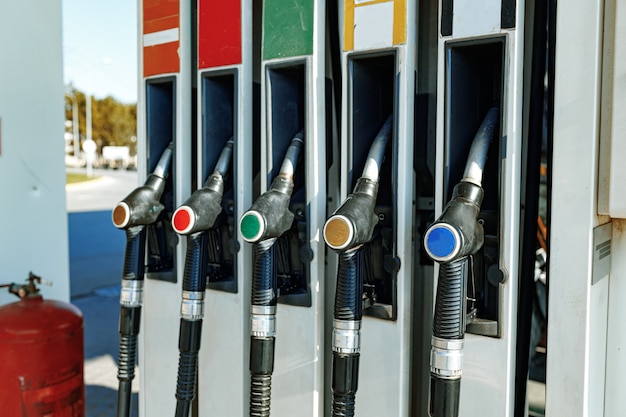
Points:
(96, 250)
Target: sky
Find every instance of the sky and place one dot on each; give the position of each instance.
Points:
(100, 47)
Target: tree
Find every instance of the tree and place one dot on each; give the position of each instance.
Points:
(112, 123)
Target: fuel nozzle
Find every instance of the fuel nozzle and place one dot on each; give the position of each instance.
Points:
(142, 205)
(195, 218)
(139, 209)
(201, 210)
(353, 223)
(267, 220)
(346, 231)
(269, 216)
(451, 241)
(457, 232)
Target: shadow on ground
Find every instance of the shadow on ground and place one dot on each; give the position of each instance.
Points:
(101, 314)
(102, 402)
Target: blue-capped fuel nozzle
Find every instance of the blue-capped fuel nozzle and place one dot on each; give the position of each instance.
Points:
(451, 240)
(346, 231)
(140, 208)
(266, 221)
(194, 218)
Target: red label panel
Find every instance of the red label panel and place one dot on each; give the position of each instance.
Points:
(219, 33)
(161, 37)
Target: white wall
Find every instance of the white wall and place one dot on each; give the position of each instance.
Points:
(33, 219)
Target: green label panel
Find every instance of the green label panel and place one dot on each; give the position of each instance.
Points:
(287, 28)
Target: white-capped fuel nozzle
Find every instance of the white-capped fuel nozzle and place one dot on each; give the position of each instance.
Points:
(269, 216)
(203, 207)
(142, 205)
(353, 223)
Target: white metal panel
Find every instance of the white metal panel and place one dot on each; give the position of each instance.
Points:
(573, 387)
(379, 16)
(224, 377)
(34, 224)
(472, 18)
(612, 199)
(386, 352)
(298, 378)
(614, 405)
(488, 381)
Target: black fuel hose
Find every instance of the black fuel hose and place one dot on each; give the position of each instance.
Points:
(262, 341)
(139, 209)
(130, 318)
(194, 286)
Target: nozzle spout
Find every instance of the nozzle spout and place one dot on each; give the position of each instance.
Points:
(375, 157)
(292, 155)
(164, 163)
(223, 163)
(480, 147)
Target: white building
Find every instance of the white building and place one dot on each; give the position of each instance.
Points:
(33, 219)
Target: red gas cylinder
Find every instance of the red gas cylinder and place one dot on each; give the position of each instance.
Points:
(41, 349)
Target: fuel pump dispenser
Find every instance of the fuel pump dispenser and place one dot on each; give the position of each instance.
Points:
(294, 96)
(266, 221)
(139, 209)
(164, 115)
(378, 49)
(480, 66)
(452, 241)
(193, 219)
(347, 231)
(226, 106)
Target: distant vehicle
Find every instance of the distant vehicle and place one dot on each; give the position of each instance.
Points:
(117, 157)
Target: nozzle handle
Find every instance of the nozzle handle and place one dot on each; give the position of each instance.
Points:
(270, 217)
(134, 253)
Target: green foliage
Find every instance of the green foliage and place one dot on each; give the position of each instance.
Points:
(72, 178)
(112, 123)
